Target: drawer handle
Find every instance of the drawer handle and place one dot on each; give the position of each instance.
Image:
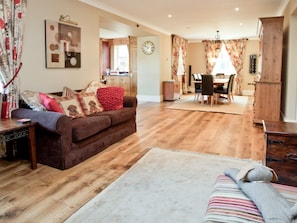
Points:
(275, 142)
(291, 156)
(272, 159)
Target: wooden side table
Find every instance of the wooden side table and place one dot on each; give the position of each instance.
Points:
(281, 150)
(171, 90)
(11, 129)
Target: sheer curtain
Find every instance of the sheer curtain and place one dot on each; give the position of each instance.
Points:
(236, 50)
(11, 45)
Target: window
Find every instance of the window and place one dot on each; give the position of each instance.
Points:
(223, 63)
(121, 58)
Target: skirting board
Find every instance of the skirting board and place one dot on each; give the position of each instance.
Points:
(149, 98)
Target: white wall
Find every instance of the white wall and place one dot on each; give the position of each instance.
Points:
(33, 75)
(148, 71)
(153, 69)
(289, 70)
(290, 85)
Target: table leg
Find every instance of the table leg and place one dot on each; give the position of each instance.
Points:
(32, 147)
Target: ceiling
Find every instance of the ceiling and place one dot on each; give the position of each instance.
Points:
(191, 19)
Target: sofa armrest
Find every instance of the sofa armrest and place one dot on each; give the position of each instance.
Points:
(51, 121)
(130, 101)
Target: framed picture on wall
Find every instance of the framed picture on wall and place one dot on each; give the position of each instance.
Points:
(62, 45)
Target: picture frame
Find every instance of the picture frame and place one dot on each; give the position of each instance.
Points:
(62, 45)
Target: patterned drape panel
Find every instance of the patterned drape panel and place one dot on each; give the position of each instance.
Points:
(212, 49)
(236, 50)
(177, 44)
(11, 44)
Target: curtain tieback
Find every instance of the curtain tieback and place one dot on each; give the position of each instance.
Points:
(14, 76)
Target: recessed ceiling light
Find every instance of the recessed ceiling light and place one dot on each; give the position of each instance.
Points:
(241, 24)
(169, 16)
(236, 9)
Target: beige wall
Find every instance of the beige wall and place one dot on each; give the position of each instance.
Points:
(34, 76)
(196, 58)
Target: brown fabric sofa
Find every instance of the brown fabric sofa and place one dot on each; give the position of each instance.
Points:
(63, 142)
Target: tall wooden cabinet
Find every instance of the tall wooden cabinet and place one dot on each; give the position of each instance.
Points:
(133, 65)
(268, 87)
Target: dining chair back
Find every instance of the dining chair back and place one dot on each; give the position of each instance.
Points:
(220, 75)
(196, 77)
(232, 86)
(207, 87)
(207, 84)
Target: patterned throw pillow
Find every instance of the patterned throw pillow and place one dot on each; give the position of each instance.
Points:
(33, 100)
(93, 87)
(68, 92)
(111, 98)
(50, 103)
(70, 106)
(89, 103)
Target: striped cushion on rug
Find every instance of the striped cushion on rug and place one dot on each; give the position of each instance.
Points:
(229, 204)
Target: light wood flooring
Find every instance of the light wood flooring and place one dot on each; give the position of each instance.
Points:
(51, 195)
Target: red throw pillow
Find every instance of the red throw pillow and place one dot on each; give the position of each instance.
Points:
(111, 98)
(50, 103)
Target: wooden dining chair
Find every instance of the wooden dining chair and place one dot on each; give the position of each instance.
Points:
(220, 75)
(232, 85)
(226, 90)
(197, 86)
(207, 88)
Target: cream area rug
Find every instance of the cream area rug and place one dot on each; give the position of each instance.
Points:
(237, 106)
(164, 186)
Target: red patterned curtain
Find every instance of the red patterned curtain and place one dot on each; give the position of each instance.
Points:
(11, 45)
(212, 49)
(236, 50)
(177, 44)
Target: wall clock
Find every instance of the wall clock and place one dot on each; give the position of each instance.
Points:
(148, 47)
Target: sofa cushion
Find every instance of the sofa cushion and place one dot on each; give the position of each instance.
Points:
(32, 99)
(89, 103)
(111, 98)
(119, 116)
(85, 127)
(50, 103)
(71, 106)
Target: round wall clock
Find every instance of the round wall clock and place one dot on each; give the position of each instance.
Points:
(148, 47)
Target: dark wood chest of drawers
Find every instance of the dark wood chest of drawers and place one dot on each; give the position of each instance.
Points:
(281, 150)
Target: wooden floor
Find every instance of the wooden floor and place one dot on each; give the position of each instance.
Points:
(50, 195)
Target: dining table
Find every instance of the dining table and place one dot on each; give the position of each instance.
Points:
(216, 82)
